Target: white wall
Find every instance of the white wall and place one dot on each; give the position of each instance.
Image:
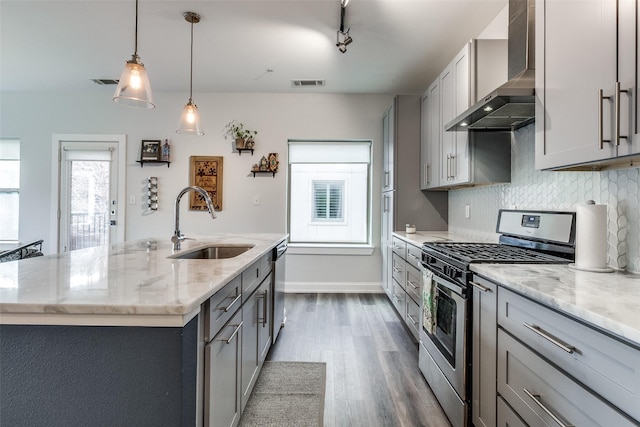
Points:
(34, 117)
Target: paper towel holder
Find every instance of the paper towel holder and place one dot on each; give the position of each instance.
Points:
(573, 266)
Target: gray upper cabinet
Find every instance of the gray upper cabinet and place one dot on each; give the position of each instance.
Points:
(451, 159)
(586, 94)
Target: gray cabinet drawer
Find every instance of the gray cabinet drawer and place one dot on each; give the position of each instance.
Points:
(221, 307)
(255, 274)
(609, 367)
(399, 247)
(413, 284)
(506, 416)
(398, 270)
(543, 395)
(412, 317)
(414, 255)
(398, 297)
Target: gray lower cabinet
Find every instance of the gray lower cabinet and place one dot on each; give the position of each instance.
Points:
(406, 283)
(545, 396)
(235, 354)
(483, 382)
(506, 416)
(222, 390)
(256, 336)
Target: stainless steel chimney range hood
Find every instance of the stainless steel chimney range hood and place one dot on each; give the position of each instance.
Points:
(512, 105)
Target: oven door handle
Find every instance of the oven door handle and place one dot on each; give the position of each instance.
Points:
(446, 283)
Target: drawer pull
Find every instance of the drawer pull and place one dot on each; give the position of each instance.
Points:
(536, 398)
(227, 308)
(263, 319)
(547, 336)
(415, 323)
(410, 283)
(414, 257)
(395, 297)
(479, 286)
(233, 335)
(396, 270)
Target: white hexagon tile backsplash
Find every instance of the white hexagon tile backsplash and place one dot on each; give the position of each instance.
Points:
(545, 190)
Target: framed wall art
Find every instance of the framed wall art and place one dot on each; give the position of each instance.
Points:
(150, 149)
(205, 172)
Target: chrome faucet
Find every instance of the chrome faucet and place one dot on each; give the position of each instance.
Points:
(177, 236)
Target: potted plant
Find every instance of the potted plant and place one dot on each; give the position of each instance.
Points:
(237, 131)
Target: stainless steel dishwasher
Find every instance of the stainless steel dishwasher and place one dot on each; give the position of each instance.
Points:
(279, 311)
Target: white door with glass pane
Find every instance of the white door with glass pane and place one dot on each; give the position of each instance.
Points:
(88, 195)
(9, 189)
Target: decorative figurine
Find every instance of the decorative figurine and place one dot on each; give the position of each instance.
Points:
(165, 150)
(264, 165)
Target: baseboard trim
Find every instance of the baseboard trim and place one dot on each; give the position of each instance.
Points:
(333, 287)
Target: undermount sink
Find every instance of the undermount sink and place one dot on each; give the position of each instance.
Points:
(214, 252)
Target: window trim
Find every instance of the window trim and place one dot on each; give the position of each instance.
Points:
(13, 190)
(344, 248)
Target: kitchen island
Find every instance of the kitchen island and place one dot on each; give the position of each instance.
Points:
(112, 335)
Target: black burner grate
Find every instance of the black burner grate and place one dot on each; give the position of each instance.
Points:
(493, 252)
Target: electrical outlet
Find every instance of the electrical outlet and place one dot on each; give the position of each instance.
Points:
(256, 200)
(467, 211)
(132, 199)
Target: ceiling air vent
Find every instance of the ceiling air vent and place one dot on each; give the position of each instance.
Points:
(307, 83)
(105, 81)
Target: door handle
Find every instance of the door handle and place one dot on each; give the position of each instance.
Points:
(617, 135)
(536, 399)
(479, 286)
(601, 139)
(547, 336)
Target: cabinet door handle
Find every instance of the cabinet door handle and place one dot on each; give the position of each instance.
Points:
(386, 178)
(410, 283)
(479, 286)
(454, 169)
(536, 399)
(385, 203)
(233, 335)
(411, 318)
(547, 336)
(617, 114)
(264, 308)
(448, 166)
(227, 308)
(601, 139)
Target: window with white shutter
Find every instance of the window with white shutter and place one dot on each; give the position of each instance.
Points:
(329, 192)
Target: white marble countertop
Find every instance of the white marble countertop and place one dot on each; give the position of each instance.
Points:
(610, 301)
(419, 237)
(128, 284)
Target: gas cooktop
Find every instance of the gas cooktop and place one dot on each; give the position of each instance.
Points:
(491, 253)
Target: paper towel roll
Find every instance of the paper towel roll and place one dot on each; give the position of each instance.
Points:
(591, 237)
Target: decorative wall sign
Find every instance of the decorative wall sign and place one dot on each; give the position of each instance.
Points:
(273, 162)
(205, 172)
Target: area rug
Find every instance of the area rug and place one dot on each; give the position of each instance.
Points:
(287, 394)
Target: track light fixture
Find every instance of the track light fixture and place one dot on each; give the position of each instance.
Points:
(190, 118)
(343, 39)
(134, 88)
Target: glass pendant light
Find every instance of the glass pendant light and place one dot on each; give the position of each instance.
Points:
(134, 89)
(190, 118)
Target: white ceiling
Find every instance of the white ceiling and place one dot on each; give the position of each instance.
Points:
(399, 45)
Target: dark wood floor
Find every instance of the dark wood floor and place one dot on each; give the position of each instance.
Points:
(373, 377)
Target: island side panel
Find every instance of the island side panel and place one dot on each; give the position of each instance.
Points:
(98, 376)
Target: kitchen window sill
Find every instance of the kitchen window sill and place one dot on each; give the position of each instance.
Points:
(329, 249)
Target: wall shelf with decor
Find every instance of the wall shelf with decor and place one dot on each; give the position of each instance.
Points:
(143, 162)
(271, 172)
(240, 150)
(266, 165)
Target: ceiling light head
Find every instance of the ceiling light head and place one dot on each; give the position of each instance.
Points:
(343, 40)
(344, 3)
(348, 40)
(190, 118)
(341, 47)
(134, 89)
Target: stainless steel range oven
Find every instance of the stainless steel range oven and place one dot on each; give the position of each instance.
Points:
(445, 324)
